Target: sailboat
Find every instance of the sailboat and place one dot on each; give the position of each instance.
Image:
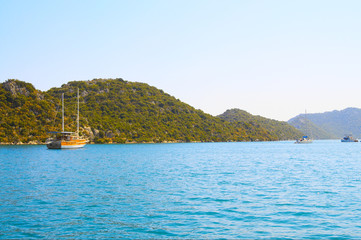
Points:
(305, 139)
(66, 140)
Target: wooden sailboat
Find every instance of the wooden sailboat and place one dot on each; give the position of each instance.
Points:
(66, 140)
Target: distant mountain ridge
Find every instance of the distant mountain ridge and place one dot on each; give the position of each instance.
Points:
(332, 124)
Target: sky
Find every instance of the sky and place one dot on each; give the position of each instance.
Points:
(276, 59)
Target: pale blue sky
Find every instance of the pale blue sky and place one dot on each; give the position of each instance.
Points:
(271, 58)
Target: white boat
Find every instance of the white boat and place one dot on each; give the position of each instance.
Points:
(348, 138)
(304, 139)
(66, 140)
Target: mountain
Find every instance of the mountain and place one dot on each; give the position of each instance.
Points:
(334, 124)
(281, 130)
(115, 110)
(310, 129)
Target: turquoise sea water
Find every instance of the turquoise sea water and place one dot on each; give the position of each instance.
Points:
(190, 190)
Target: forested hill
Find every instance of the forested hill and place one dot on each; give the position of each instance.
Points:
(26, 114)
(282, 130)
(114, 110)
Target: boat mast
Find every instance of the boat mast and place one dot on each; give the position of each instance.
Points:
(62, 110)
(77, 118)
(308, 129)
(306, 122)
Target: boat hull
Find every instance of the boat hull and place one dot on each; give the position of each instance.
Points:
(79, 143)
(61, 144)
(304, 142)
(72, 146)
(54, 145)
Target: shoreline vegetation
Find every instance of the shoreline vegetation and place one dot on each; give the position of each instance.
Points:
(165, 142)
(119, 111)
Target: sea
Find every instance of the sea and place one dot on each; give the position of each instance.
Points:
(245, 190)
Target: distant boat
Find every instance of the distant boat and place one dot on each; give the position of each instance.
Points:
(348, 138)
(66, 140)
(305, 139)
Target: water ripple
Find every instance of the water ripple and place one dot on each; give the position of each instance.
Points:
(275, 190)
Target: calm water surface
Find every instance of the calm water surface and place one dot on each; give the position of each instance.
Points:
(190, 190)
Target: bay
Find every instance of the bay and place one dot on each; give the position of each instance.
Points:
(247, 190)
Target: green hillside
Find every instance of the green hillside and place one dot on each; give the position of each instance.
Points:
(280, 130)
(24, 113)
(114, 110)
(121, 111)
